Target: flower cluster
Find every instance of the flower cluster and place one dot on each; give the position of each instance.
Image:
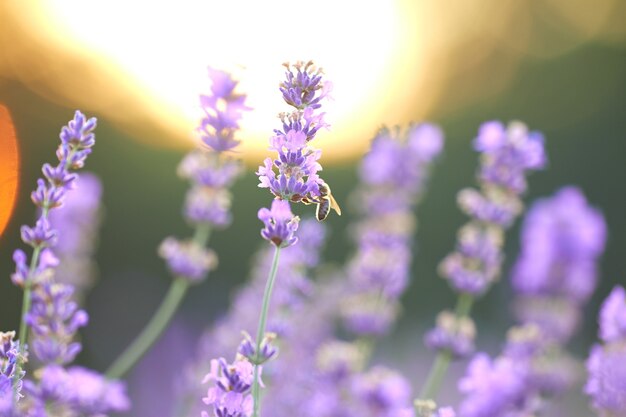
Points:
(606, 365)
(555, 274)
(50, 311)
(211, 174)
(230, 394)
(562, 238)
(507, 155)
(9, 382)
(393, 175)
(292, 176)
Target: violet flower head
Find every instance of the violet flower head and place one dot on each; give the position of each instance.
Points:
(508, 155)
(606, 365)
(187, 259)
(9, 355)
(78, 221)
(292, 175)
(280, 224)
(492, 387)
(230, 396)
(393, 176)
(562, 240)
(613, 316)
(453, 334)
(54, 318)
(222, 111)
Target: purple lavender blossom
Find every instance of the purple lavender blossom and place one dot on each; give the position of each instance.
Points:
(393, 174)
(187, 259)
(507, 156)
(9, 355)
(492, 386)
(210, 173)
(54, 319)
(606, 365)
(297, 163)
(562, 238)
(78, 221)
(222, 111)
(453, 334)
(280, 224)
(230, 396)
(613, 316)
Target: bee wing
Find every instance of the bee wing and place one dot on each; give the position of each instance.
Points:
(334, 205)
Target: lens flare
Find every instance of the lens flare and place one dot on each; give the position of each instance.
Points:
(9, 167)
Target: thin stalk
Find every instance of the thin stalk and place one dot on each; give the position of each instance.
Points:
(442, 361)
(267, 295)
(159, 322)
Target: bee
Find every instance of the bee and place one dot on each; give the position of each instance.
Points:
(325, 202)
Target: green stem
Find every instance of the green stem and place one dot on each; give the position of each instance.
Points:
(442, 361)
(159, 322)
(152, 331)
(256, 389)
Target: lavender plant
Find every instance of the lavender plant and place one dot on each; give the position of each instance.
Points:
(207, 206)
(507, 155)
(324, 370)
(49, 311)
(554, 276)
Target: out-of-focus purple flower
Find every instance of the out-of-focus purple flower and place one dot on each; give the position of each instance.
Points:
(210, 173)
(267, 351)
(562, 239)
(492, 387)
(222, 111)
(230, 396)
(453, 334)
(507, 156)
(78, 221)
(280, 224)
(383, 390)
(393, 176)
(76, 391)
(613, 316)
(508, 153)
(606, 365)
(187, 260)
(54, 318)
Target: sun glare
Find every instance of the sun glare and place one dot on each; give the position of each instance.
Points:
(165, 47)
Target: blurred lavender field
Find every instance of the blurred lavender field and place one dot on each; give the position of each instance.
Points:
(570, 89)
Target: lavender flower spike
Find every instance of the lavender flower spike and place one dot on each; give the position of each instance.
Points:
(292, 176)
(508, 154)
(77, 139)
(606, 384)
(562, 238)
(210, 171)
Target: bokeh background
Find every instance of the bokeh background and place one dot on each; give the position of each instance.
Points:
(558, 65)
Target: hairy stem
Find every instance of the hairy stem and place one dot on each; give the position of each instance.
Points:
(267, 295)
